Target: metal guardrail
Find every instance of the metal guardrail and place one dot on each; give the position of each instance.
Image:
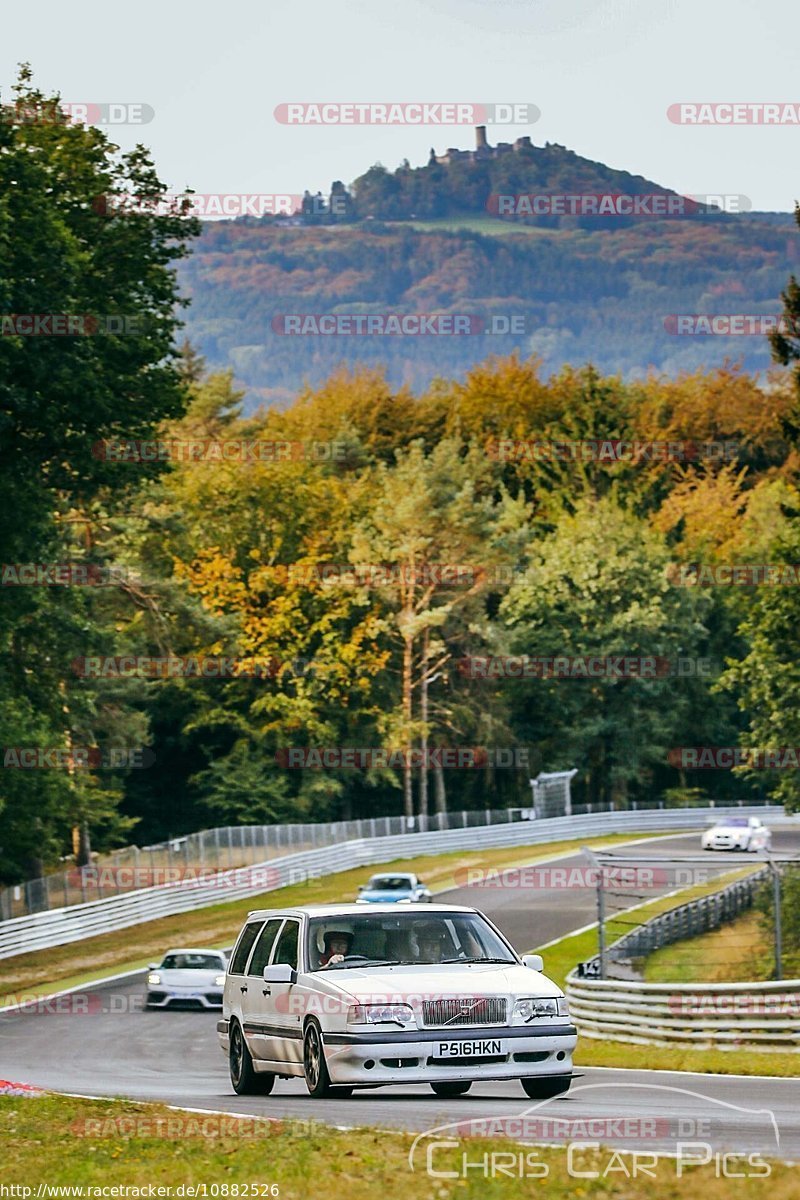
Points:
(684, 921)
(724, 1016)
(70, 924)
(212, 850)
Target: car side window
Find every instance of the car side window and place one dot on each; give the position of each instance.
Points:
(286, 949)
(242, 951)
(264, 947)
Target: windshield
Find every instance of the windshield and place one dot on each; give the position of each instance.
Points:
(193, 962)
(375, 939)
(736, 823)
(389, 883)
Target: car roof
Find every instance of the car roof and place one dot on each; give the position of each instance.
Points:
(194, 950)
(393, 875)
(354, 910)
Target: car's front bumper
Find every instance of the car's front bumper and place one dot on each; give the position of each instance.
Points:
(161, 997)
(414, 1056)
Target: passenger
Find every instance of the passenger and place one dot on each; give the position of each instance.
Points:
(431, 946)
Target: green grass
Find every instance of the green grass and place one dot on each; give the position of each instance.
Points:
(739, 950)
(132, 949)
(64, 1141)
(491, 226)
(564, 954)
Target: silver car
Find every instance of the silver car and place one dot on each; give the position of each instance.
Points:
(186, 979)
(738, 833)
(351, 996)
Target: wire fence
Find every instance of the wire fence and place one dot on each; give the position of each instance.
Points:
(684, 921)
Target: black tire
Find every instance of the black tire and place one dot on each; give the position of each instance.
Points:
(449, 1089)
(244, 1079)
(544, 1088)
(315, 1069)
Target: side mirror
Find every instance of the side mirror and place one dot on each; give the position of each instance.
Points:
(361, 887)
(280, 973)
(152, 966)
(534, 961)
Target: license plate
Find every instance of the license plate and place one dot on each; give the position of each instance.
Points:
(477, 1049)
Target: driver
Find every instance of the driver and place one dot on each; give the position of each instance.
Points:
(337, 945)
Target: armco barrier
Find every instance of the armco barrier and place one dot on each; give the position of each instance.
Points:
(723, 1016)
(684, 921)
(60, 926)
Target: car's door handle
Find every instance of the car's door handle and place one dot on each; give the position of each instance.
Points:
(266, 991)
(243, 989)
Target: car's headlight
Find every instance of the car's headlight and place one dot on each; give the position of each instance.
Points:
(380, 1014)
(153, 978)
(219, 981)
(528, 1008)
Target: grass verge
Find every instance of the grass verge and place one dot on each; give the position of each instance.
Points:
(63, 1141)
(131, 949)
(562, 956)
(741, 949)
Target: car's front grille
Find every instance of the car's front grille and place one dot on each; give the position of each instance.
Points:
(465, 1010)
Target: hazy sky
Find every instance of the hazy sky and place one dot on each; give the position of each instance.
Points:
(602, 72)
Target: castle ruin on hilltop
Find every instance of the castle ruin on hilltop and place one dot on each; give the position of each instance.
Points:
(482, 150)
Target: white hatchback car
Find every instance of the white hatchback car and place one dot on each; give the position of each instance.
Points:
(186, 979)
(737, 833)
(349, 996)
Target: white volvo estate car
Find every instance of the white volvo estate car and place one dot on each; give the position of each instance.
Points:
(348, 996)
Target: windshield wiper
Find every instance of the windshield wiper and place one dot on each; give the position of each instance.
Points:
(475, 959)
(370, 962)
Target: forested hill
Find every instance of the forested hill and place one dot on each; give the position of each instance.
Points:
(606, 297)
(604, 289)
(469, 183)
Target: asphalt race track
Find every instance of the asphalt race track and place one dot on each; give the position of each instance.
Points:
(110, 1047)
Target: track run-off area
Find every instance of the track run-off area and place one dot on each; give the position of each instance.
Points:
(110, 1046)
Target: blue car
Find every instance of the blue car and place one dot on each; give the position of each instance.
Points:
(398, 888)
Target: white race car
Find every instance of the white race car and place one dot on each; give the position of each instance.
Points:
(737, 833)
(187, 979)
(350, 996)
